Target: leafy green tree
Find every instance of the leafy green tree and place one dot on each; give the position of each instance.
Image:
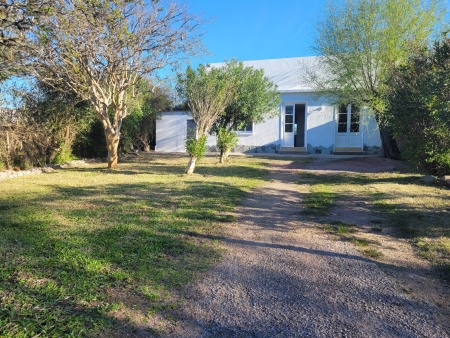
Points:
(255, 99)
(207, 92)
(360, 41)
(102, 49)
(419, 108)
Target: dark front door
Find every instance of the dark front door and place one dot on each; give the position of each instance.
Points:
(299, 137)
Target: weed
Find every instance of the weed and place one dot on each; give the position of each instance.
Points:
(319, 201)
(372, 253)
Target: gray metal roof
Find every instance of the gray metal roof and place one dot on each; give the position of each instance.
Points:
(289, 74)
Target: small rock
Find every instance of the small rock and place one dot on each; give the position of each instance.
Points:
(428, 179)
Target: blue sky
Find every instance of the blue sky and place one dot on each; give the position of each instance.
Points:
(258, 29)
(254, 30)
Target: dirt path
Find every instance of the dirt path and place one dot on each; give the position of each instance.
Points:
(281, 277)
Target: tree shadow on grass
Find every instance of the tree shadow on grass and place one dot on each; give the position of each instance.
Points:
(89, 260)
(240, 171)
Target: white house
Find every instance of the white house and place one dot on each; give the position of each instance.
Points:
(305, 124)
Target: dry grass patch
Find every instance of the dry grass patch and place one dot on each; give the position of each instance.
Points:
(415, 211)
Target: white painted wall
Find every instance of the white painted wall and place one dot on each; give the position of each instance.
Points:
(264, 133)
(371, 133)
(321, 127)
(171, 129)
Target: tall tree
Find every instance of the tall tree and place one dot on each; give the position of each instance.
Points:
(360, 40)
(256, 98)
(207, 92)
(419, 108)
(101, 49)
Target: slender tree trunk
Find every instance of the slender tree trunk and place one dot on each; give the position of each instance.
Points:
(147, 147)
(224, 153)
(8, 152)
(388, 143)
(112, 143)
(191, 165)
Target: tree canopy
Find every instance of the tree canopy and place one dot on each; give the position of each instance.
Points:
(361, 40)
(255, 98)
(419, 108)
(17, 17)
(101, 49)
(207, 92)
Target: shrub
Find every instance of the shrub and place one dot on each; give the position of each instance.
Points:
(226, 140)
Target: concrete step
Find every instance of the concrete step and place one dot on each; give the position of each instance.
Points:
(293, 150)
(348, 151)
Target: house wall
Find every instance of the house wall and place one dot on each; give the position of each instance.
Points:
(265, 138)
(171, 132)
(321, 127)
(371, 134)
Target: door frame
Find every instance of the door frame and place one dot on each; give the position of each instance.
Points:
(348, 139)
(288, 137)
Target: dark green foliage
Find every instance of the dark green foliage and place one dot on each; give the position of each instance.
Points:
(255, 99)
(91, 143)
(139, 128)
(419, 108)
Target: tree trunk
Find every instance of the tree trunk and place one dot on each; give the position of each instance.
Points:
(388, 143)
(112, 143)
(191, 165)
(147, 147)
(8, 152)
(224, 155)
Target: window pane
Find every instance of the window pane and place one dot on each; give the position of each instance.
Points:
(342, 118)
(343, 109)
(289, 110)
(246, 128)
(289, 119)
(288, 128)
(342, 128)
(354, 119)
(354, 127)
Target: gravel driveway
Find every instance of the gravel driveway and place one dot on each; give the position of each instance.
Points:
(281, 277)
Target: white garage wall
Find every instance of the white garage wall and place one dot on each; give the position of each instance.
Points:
(171, 130)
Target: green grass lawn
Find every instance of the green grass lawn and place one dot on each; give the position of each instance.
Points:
(92, 252)
(104, 253)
